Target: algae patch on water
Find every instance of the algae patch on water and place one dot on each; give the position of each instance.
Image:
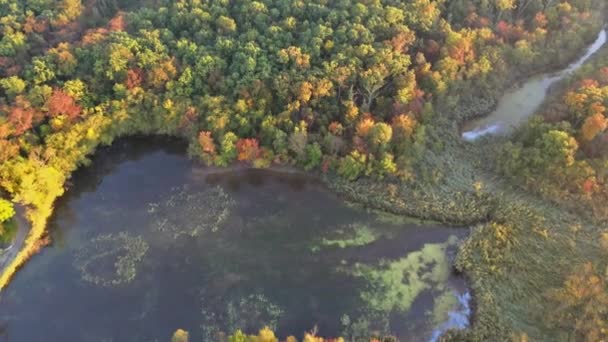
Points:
(393, 285)
(190, 212)
(355, 234)
(110, 260)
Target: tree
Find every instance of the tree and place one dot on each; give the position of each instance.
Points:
(299, 139)
(226, 24)
(248, 149)
(61, 103)
(386, 165)
(135, 78)
(21, 119)
(264, 335)
(206, 141)
(558, 148)
(6, 210)
(180, 336)
(228, 150)
(314, 156)
(8, 150)
(353, 165)
(403, 127)
(365, 126)
(13, 86)
(75, 88)
(380, 135)
(593, 125)
(70, 10)
(580, 307)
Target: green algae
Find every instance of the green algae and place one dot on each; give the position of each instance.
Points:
(358, 234)
(110, 260)
(188, 212)
(394, 285)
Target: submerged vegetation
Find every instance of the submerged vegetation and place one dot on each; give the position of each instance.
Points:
(369, 93)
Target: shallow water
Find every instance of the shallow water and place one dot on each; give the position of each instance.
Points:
(147, 241)
(520, 103)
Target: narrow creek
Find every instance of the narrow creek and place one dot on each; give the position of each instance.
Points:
(520, 103)
(147, 241)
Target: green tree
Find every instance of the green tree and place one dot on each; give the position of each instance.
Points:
(353, 165)
(13, 86)
(314, 156)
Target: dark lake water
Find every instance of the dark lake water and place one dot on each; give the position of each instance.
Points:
(147, 241)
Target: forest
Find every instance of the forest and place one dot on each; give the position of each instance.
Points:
(369, 94)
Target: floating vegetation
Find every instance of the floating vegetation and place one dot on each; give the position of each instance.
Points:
(110, 260)
(358, 234)
(394, 285)
(188, 212)
(247, 313)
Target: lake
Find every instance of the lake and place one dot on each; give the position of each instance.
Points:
(147, 241)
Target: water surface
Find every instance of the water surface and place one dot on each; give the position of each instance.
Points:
(147, 241)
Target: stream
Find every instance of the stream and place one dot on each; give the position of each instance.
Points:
(520, 103)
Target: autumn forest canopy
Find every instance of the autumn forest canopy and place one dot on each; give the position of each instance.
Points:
(354, 89)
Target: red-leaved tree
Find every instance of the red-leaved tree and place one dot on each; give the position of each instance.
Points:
(61, 103)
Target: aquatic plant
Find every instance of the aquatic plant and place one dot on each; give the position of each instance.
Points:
(110, 260)
(253, 308)
(190, 212)
(394, 285)
(357, 234)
